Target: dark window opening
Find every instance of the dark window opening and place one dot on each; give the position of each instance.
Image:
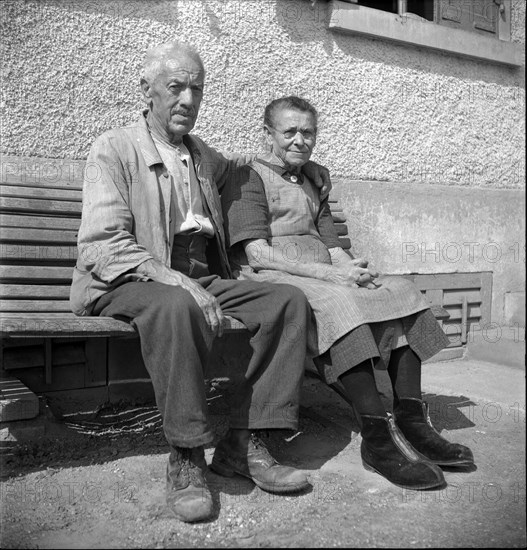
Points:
(383, 5)
(423, 8)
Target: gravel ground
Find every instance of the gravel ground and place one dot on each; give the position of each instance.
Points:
(99, 483)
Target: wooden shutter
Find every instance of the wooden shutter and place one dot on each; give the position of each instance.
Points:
(479, 16)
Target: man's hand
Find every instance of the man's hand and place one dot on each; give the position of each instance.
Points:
(319, 175)
(206, 301)
(208, 305)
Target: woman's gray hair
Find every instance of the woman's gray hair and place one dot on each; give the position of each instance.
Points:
(289, 102)
(157, 57)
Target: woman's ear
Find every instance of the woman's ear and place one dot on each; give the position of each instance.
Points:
(268, 136)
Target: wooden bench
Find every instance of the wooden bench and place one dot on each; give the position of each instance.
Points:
(39, 221)
(40, 210)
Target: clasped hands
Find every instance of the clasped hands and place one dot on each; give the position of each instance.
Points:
(354, 273)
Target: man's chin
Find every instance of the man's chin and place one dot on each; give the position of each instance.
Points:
(179, 130)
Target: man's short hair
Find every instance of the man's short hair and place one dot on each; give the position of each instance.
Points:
(157, 57)
(289, 102)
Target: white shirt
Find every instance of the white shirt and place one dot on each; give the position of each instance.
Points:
(186, 207)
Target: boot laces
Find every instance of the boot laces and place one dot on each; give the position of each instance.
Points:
(188, 470)
(257, 442)
(259, 448)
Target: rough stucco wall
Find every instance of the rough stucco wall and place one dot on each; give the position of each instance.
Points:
(388, 112)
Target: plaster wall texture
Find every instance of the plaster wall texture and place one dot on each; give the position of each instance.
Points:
(416, 228)
(388, 112)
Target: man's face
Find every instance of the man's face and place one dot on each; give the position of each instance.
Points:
(176, 95)
(292, 136)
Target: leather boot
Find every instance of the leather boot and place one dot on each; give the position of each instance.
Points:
(187, 494)
(242, 452)
(412, 417)
(385, 451)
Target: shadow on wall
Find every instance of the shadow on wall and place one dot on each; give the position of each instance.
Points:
(305, 21)
(166, 12)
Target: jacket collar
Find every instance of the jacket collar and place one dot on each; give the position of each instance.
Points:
(148, 148)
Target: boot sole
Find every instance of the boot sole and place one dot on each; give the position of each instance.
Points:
(438, 483)
(202, 517)
(227, 471)
(455, 463)
(206, 513)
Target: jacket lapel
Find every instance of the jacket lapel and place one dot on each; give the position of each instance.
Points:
(152, 159)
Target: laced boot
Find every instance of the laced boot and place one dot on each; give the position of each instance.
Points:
(242, 452)
(414, 422)
(385, 451)
(187, 494)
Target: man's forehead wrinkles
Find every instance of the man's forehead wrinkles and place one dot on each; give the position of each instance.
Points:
(181, 73)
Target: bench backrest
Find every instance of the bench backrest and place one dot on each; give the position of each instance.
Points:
(39, 221)
(40, 210)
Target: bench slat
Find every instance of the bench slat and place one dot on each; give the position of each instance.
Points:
(39, 205)
(35, 291)
(35, 305)
(338, 216)
(44, 193)
(345, 243)
(60, 325)
(42, 222)
(41, 253)
(46, 273)
(41, 171)
(31, 180)
(31, 235)
(439, 312)
(63, 325)
(342, 229)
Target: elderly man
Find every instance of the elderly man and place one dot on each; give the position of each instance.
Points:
(152, 252)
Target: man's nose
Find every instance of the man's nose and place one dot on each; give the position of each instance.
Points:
(186, 97)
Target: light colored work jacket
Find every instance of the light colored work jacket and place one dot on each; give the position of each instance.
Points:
(126, 209)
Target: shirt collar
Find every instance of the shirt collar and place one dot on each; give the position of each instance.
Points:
(149, 149)
(277, 165)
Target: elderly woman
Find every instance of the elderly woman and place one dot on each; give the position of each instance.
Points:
(281, 230)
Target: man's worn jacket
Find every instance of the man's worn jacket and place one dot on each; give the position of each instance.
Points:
(126, 209)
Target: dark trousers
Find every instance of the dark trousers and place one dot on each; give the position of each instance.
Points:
(176, 343)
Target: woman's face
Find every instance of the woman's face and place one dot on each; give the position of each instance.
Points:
(292, 136)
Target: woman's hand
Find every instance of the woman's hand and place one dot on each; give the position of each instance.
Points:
(354, 273)
(370, 280)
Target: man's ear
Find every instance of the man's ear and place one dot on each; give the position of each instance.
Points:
(145, 88)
